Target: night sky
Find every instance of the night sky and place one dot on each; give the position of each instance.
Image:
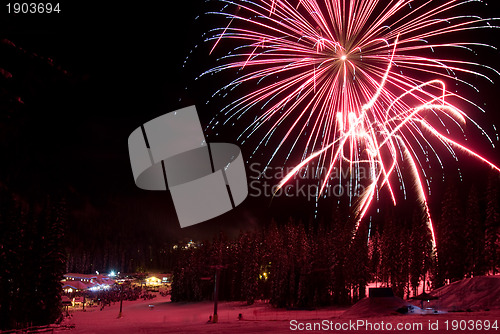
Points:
(112, 68)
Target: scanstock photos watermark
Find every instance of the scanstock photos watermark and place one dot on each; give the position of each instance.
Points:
(306, 183)
(369, 326)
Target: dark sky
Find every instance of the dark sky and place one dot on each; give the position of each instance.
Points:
(114, 67)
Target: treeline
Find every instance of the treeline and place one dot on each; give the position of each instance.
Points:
(309, 264)
(468, 234)
(303, 265)
(119, 252)
(31, 261)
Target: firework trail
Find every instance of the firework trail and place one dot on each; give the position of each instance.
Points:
(351, 84)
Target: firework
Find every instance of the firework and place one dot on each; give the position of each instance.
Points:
(349, 84)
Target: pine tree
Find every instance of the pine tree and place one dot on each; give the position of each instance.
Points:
(374, 255)
(340, 236)
(293, 270)
(305, 260)
(357, 257)
(11, 233)
(450, 241)
(251, 267)
(52, 260)
(32, 262)
(394, 249)
(278, 266)
(319, 249)
(492, 225)
(389, 250)
(420, 250)
(474, 235)
(237, 269)
(178, 286)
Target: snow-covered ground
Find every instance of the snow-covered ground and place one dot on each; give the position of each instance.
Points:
(475, 294)
(166, 317)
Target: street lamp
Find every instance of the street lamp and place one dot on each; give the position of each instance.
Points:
(216, 289)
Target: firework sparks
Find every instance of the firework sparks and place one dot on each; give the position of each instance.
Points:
(351, 83)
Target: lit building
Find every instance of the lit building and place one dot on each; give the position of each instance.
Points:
(156, 280)
(74, 282)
